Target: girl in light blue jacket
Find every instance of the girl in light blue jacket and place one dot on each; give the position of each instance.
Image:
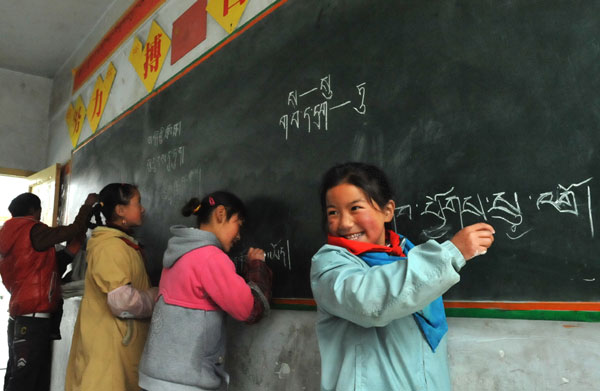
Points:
(381, 322)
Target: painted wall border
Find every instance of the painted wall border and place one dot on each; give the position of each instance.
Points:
(556, 310)
(118, 33)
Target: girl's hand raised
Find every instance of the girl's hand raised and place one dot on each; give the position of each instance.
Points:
(256, 253)
(474, 240)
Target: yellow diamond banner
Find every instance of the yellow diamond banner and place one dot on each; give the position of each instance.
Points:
(100, 96)
(227, 12)
(148, 60)
(75, 116)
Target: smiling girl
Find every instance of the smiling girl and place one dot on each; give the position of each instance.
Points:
(381, 323)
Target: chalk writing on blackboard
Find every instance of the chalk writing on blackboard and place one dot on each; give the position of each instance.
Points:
(164, 133)
(280, 252)
(166, 160)
(565, 201)
(182, 186)
(315, 116)
(275, 252)
(501, 206)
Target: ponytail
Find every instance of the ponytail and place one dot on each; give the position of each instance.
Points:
(96, 214)
(204, 208)
(109, 197)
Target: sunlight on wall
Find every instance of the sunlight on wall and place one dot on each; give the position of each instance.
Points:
(11, 187)
(46, 191)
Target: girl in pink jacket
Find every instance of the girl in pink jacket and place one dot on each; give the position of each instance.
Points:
(198, 286)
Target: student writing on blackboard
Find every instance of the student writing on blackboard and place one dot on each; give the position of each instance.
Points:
(198, 287)
(381, 321)
(117, 303)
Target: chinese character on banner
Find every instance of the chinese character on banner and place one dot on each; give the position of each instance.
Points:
(100, 96)
(75, 116)
(227, 12)
(148, 59)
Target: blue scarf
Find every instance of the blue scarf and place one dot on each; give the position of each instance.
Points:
(432, 319)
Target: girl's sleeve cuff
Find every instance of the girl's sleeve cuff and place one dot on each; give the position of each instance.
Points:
(454, 255)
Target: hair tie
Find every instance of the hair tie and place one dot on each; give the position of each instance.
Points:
(211, 201)
(197, 208)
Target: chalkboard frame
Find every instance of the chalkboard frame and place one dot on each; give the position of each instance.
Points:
(569, 311)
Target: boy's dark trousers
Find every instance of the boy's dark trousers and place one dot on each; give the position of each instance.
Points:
(29, 353)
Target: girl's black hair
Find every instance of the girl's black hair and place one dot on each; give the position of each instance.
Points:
(203, 209)
(108, 199)
(367, 177)
(24, 204)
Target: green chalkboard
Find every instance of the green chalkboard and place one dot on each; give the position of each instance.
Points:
(477, 110)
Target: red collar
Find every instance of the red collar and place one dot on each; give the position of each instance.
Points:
(131, 244)
(358, 248)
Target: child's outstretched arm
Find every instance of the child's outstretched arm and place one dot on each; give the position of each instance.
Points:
(474, 240)
(345, 286)
(44, 237)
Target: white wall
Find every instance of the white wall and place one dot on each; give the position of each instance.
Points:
(523, 355)
(485, 354)
(24, 103)
(59, 145)
(281, 354)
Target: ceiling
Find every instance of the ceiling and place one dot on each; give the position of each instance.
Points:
(38, 37)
